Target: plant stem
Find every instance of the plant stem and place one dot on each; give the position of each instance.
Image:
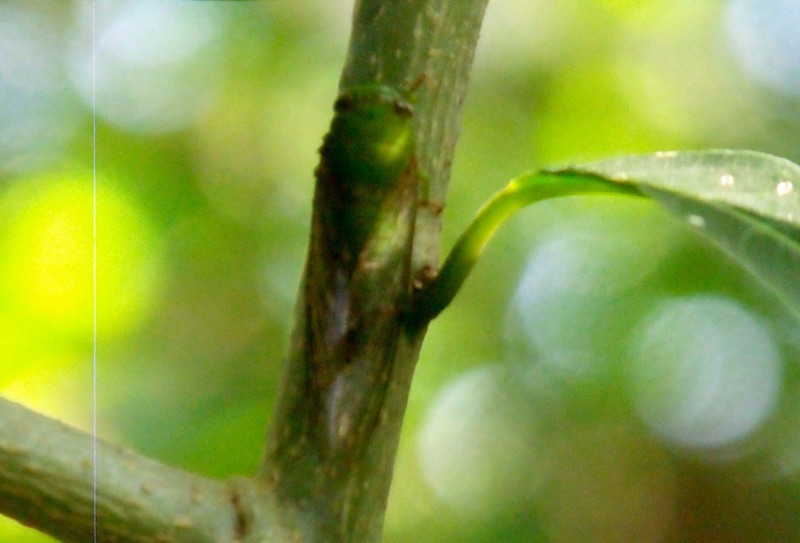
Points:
(331, 450)
(47, 482)
(520, 192)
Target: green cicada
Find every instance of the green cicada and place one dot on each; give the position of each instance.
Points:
(365, 155)
(358, 266)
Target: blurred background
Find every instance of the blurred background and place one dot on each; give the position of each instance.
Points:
(604, 376)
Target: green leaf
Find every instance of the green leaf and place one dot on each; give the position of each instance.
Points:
(746, 202)
(763, 184)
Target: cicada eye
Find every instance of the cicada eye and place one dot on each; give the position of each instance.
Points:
(343, 103)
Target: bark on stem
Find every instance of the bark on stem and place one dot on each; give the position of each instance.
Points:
(47, 481)
(336, 491)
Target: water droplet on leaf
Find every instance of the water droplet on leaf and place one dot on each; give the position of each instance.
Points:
(784, 188)
(696, 221)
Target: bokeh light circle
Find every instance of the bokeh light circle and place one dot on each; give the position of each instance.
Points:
(156, 66)
(765, 40)
(481, 451)
(47, 264)
(585, 282)
(704, 371)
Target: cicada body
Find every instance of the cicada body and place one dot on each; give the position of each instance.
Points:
(358, 265)
(364, 155)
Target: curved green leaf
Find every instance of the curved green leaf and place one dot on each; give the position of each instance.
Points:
(764, 185)
(746, 202)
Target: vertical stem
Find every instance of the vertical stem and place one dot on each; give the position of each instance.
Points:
(396, 43)
(336, 491)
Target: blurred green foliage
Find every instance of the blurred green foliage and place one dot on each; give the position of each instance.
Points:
(208, 118)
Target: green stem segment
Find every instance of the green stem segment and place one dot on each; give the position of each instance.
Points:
(521, 192)
(330, 454)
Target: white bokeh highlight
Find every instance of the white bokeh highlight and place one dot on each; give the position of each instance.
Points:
(480, 449)
(157, 65)
(584, 283)
(764, 37)
(38, 116)
(704, 371)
